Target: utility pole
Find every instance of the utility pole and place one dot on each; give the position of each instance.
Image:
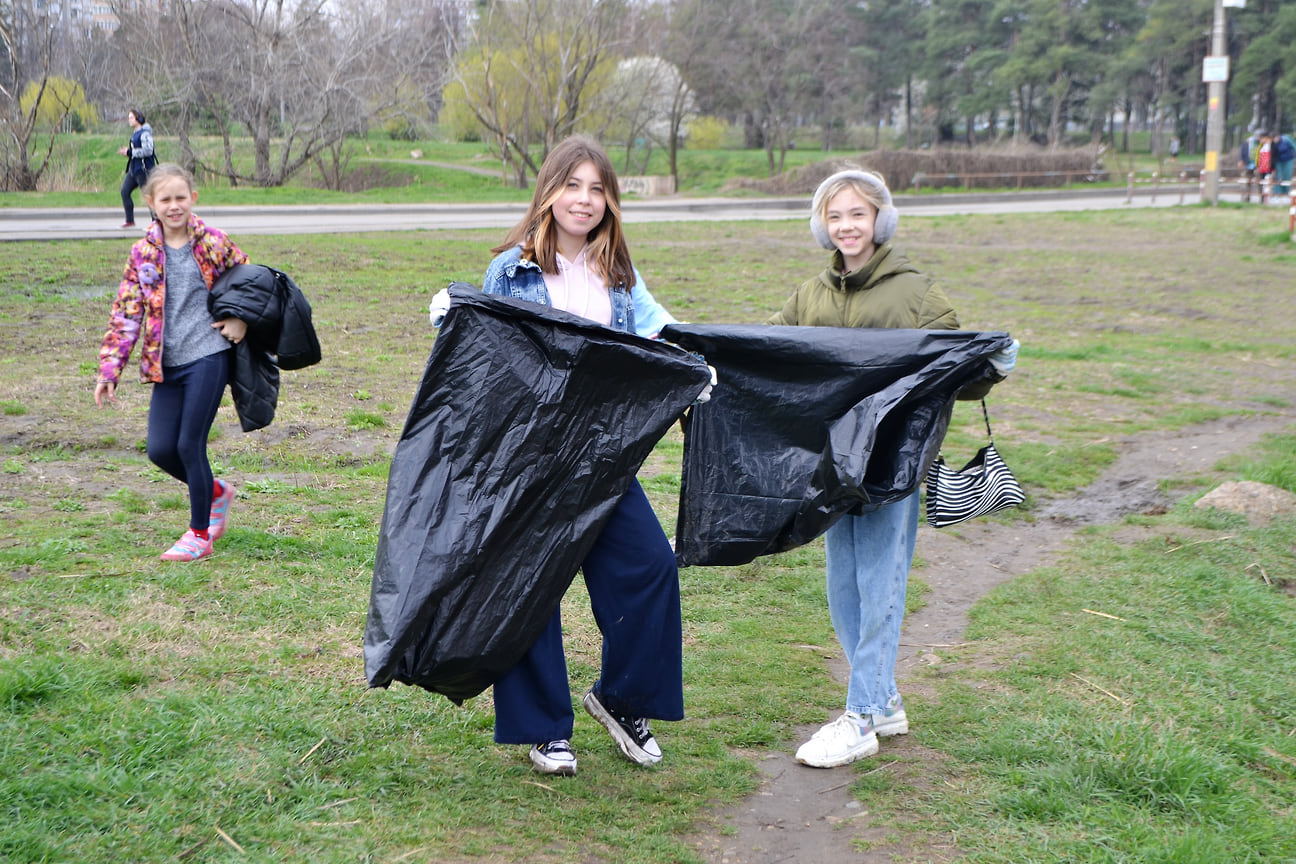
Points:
(1217, 78)
(1215, 72)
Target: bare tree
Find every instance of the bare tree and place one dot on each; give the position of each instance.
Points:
(646, 101)
(681, 39)
(398, 76)
(299, 76)
(27, 48)
(530, 69)
(765, 58)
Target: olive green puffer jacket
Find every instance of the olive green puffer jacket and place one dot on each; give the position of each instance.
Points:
(887, 292)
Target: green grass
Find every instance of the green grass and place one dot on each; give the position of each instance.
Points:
(1157, 730)
(160, 713)
(86, 171)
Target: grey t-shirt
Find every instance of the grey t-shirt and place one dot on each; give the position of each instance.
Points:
(187, 334)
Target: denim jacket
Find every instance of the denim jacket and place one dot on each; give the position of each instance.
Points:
(634, 311)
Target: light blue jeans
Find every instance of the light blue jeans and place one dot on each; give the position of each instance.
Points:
(868, 569)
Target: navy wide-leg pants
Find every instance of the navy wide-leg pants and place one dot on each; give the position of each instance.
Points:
(633, 585)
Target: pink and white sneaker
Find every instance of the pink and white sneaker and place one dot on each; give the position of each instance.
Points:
(190, 547)
(219, 520)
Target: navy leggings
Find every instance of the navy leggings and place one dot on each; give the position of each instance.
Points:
(634, 592)
(128, 203)
(181, 414)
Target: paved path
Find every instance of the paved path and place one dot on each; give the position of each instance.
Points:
(102, 222)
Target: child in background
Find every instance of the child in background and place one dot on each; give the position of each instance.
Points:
(185, 354)
(869, 282)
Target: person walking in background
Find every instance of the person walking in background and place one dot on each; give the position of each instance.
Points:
(869, 282)
(1264, 164)
(1174, 148)
(140, 160)
(1284, 156)
(185, 354)
(1247, 162)
(569, 252)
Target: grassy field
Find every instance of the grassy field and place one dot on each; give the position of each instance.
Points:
(218, 711)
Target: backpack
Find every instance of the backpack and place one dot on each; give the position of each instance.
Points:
(1284, 149)
(1264, 159)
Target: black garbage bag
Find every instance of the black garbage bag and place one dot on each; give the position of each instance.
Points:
(809, 423)
(527, 429)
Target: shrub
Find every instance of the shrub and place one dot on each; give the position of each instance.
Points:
(707, 133)
(944, 167)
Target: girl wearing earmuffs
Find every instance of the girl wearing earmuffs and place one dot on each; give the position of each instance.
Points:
(869, 282)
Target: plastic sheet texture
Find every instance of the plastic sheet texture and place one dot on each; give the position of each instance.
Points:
(809, 423)
(526, 430)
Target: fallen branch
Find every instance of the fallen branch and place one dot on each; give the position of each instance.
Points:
(1263, 574)
(338, 803)
(1200, 542)
(1106, 693)
(312, 750)
(188, 853)
(1103, 614)
(230, 840)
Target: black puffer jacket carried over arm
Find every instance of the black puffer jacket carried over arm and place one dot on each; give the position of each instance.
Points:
(280, 335)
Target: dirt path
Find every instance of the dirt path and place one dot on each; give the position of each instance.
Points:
(803, 815)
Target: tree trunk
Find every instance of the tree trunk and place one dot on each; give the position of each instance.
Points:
(184, 121)
(908, 99)
(1129, 109)
(261, 145)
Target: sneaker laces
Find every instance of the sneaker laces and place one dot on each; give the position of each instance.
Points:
(636, 726)
(843, 726)
(640, 727)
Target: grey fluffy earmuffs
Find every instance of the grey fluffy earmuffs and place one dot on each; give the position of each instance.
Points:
(884, 227)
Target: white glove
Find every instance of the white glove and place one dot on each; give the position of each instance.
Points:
(439, 306)
(705, 395)
(1005, 359)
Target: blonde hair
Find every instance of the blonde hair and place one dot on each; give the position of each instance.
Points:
(866, 190)
(537, 232)
(166, 171)
(870, 186)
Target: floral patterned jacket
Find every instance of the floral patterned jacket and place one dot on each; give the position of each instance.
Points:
(141, 297)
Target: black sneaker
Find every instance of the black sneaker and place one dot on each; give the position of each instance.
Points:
(631, 734)
(554, 757)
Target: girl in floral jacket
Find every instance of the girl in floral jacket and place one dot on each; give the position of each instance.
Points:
(185, 354)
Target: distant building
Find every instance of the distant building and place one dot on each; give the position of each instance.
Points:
(86, 16)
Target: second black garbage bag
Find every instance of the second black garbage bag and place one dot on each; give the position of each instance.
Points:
(807, 424)
(527, 428)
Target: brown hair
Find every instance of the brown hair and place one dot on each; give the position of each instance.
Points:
(165, 171)
(538, 233)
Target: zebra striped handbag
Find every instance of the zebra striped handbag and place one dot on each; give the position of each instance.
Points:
(984, 485)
